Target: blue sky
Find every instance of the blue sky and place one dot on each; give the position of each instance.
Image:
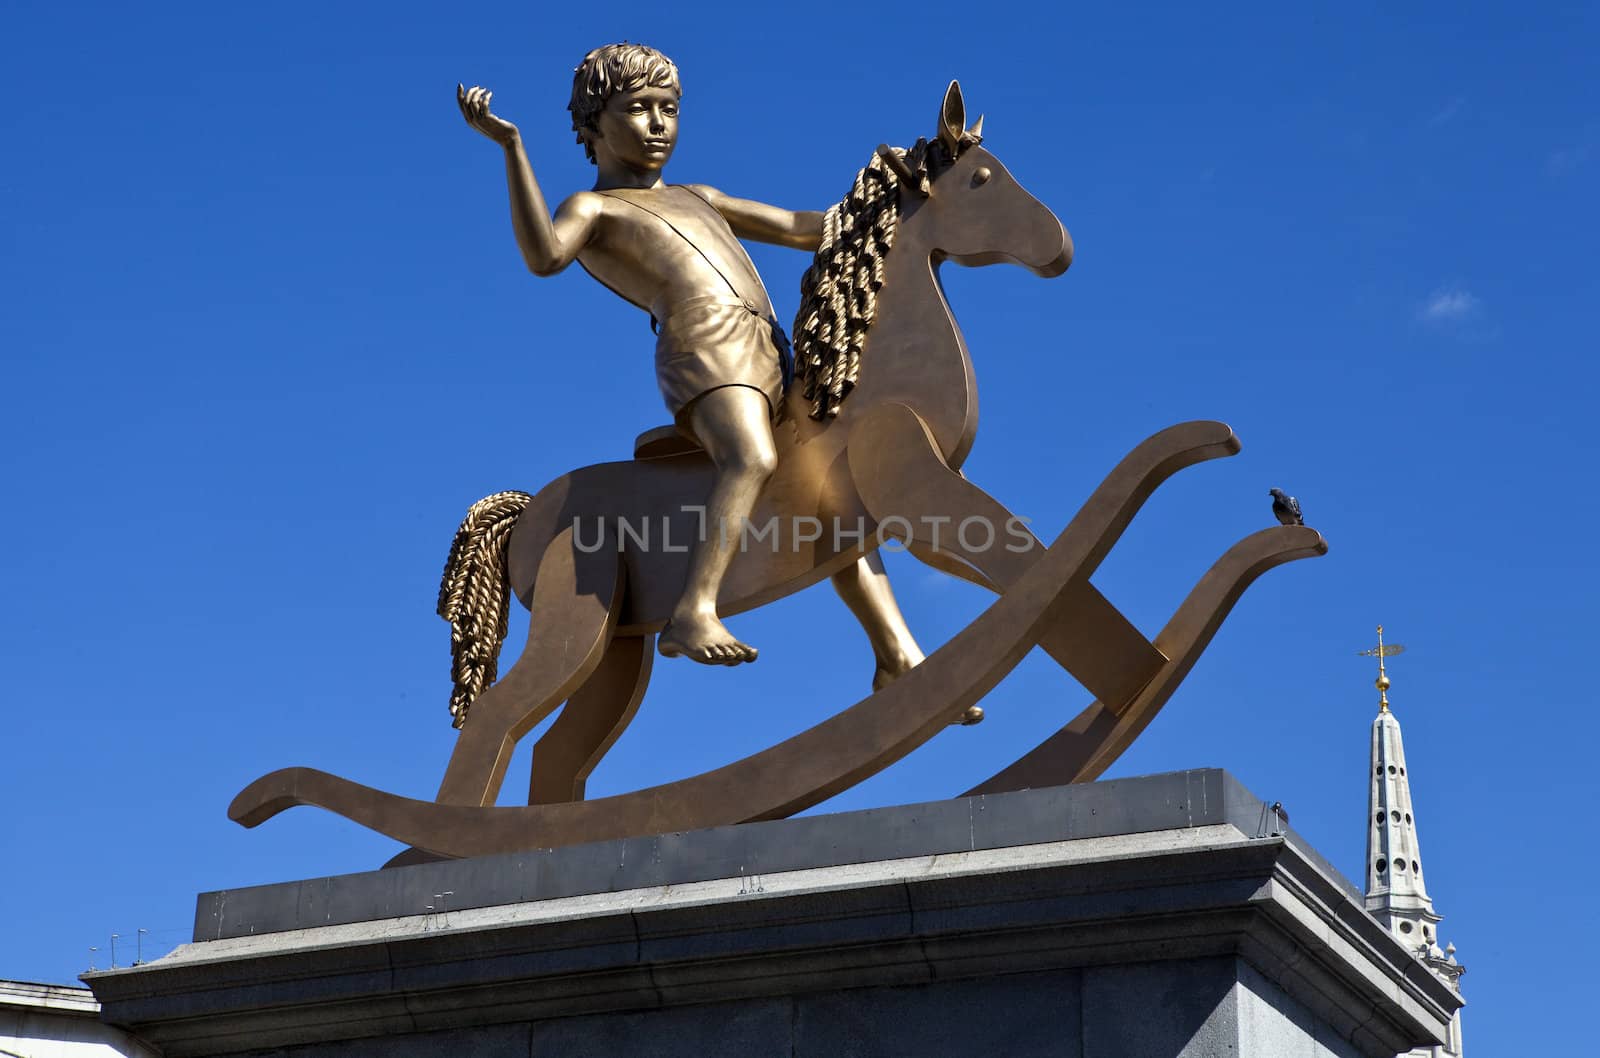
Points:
(266, 335)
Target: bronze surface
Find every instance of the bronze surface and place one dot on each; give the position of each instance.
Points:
(878, 730)
(1083, 749)
(892, 451)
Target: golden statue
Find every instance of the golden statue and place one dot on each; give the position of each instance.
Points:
(765, 485)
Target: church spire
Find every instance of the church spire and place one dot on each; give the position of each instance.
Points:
(1396, 894)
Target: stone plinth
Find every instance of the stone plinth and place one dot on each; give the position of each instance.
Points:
(1148, 918)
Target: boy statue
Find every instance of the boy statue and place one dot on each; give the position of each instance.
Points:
(721, 358)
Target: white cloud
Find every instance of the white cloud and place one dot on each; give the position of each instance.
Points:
(1565, 160)
(1448, 111)
(1448, 305)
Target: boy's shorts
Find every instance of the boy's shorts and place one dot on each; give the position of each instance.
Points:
(709, 342)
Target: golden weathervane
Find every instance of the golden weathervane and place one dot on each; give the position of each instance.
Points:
(1380, 652)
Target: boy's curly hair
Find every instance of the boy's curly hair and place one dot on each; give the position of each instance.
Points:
(611, 69)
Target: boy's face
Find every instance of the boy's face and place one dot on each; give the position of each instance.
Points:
(638, 129)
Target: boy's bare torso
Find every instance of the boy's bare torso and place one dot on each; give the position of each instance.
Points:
(660, 247)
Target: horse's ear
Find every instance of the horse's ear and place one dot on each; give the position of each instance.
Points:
(952, 119)
(977, 128)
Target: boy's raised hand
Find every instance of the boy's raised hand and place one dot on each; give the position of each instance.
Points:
(474, 103)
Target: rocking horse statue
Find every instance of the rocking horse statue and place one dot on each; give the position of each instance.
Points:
(870, 435)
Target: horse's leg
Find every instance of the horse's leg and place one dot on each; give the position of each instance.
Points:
(594, 718)
(901, 475)
(574, 611)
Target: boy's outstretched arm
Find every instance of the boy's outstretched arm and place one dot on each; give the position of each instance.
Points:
(547, 246)
(763, 223)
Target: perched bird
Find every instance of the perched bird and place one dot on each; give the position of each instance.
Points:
(1286, 508)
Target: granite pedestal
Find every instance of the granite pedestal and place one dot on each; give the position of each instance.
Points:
(1165, 916)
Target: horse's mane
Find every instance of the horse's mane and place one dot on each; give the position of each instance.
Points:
(839, 292)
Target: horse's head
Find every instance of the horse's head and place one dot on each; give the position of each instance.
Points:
(971, 208)
(942, 199)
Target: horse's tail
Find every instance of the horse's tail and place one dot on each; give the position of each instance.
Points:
(475, 596)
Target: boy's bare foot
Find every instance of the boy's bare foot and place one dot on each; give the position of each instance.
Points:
(702, 637)
(891, 669)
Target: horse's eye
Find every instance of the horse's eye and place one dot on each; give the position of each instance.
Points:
(980, 176)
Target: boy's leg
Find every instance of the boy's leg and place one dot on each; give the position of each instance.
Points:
(864, 587)
(733, 424)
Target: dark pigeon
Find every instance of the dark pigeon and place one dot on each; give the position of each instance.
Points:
(1286, 508)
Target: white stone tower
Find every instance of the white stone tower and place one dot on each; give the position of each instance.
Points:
(1396, 894)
